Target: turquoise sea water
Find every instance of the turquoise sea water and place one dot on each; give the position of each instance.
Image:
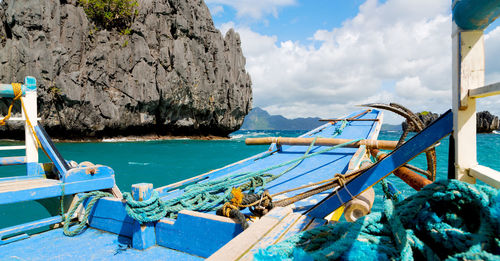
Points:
(165, 162)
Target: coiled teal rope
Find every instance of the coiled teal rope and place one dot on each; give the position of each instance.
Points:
(95, 196)
(145, 211)
(448, 219)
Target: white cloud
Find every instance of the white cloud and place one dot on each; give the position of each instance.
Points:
(216, 10)
(406, 43)
(255, 9)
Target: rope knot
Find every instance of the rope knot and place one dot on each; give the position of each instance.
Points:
(341, 179)
(18, 92)
(149, 210)
(237, 196)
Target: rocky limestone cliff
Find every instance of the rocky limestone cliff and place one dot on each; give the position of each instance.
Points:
(426, 117)
(485, 121)
(174, 74)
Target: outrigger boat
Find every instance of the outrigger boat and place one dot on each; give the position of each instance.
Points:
(291, 195)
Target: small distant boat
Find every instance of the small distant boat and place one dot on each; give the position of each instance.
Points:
(283, 203)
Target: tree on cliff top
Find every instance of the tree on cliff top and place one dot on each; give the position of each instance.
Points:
(110, 13)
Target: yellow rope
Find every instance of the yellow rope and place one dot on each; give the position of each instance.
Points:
(38, 144)
(18, 92)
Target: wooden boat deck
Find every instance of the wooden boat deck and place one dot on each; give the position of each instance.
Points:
(26, 184)
(93, 244)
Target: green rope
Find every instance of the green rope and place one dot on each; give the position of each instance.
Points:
(448, 219)
(390, 192)
(95, 196)
(145, 211)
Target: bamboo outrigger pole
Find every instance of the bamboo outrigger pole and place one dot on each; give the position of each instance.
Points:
(373, 144)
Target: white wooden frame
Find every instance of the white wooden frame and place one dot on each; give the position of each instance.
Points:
(467, 85)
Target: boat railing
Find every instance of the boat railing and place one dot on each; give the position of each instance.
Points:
(29, 98)
(470, 19)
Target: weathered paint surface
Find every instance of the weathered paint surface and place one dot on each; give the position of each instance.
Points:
(109, 215)
(143, 235)
(6, 90)
(46, 188)
(475, 14)
(197, 233)
(90, 245)
(9, 161)
(55, 157)
(6, 233)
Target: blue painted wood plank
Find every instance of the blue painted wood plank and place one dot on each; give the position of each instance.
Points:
(430, 135)
(6, 232)
(88, 173)
(196, 233)
(143, 235)
(9, 161)
(54, 155)
(475, 14)
(109, 215)
(91, 245)
(6, 179)
(6, 90)
(55, 189)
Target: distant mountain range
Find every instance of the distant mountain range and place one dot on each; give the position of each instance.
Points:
(259, 119)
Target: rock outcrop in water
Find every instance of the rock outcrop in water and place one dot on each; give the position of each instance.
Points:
(426, 117)
(485, 121)
(174, 74)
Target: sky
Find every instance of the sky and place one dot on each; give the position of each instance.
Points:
(323, 57)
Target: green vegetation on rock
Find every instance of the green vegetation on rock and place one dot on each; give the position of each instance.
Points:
(110, 13)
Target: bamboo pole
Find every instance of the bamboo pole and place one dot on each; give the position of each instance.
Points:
(411, 178)
(374, 144)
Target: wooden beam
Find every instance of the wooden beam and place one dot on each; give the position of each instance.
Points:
(485, 91)
(30, 104)
(486, 175)
(143, 235)
(21, 147)
(375, 144)
(467, 74)
(51, 150)
(9, 161)
(6, 90)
